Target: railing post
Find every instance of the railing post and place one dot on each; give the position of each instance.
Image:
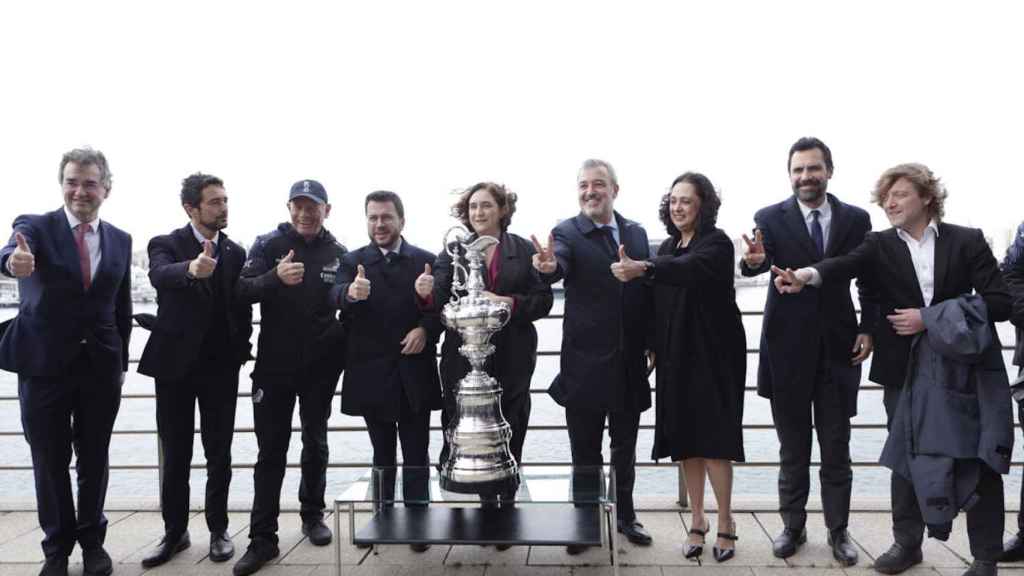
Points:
(683, 500)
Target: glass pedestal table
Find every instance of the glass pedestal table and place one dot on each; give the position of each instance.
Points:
(554, 506)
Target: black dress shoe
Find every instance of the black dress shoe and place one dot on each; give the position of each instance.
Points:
(897, 559)
(166, 549)
(221, 547)
(55, 567)
(96, 562)
(259, 553)
(635, 533)
(575, 549)
(787, 543)
(723, 554)
(696, 550)
(981, 568)
(843, 549)
(318, 532)
(502, 547)
(1013, 549)
(419, 547)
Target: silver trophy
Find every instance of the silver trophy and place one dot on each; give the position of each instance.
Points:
(479, 459)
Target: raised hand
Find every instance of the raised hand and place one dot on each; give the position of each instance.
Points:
(754, 256)
(204, 264)
(359, 289)
(425, 283)
(544, 260)
(290, 272)
(789, 281)
(626, 268)
(21, 263)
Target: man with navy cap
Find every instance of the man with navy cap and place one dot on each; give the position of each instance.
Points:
(300, 355)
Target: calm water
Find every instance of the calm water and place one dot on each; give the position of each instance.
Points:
(139, 414)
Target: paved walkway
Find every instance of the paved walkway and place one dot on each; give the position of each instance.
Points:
(132, 534)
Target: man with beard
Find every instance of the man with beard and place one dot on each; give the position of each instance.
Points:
(391, 375)
(812, 346)
(199, 341)
(603, 371)
(300, 356)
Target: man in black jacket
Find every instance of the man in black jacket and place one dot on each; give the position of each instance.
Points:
(1013, 273)
(603, 372)
(300, 355)
(919, 261)
(391, 368)
(812, 346)
(199, 341)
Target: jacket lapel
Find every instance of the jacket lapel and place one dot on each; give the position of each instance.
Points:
(837, 228)
(942, 253)
(794, 219)
(510, 261)
(905, 265)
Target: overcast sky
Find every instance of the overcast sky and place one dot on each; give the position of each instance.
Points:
(428, 97)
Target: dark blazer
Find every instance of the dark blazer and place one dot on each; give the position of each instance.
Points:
(1013, 273)
(515, 354)
(605, 330)
(57, 313)
(963, 263)
(793, 330)
(186, 305)
(376, 371)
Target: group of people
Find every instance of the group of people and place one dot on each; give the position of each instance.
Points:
(373, 315)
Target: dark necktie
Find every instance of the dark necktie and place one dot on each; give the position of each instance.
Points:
(609, 238)
(391, 258)
(817, 234)
(84, 262)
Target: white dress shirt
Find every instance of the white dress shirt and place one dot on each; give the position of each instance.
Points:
(92, 240)
(824, 218)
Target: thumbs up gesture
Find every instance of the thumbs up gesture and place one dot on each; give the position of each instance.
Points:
(544, 260)
(754, 255)
(626, 268)
(359, 289)
(290, 272)
(21, 263)
(204, 264)
(425, 283)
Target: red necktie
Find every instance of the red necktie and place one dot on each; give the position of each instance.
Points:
(83, 254)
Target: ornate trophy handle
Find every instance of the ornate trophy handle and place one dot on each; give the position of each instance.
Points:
(454, 239)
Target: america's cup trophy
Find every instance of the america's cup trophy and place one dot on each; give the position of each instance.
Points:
(479, 461)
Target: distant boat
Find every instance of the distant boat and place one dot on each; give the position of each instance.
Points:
(142, 290)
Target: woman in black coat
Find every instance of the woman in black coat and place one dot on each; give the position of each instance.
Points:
(486, 209)
(700, 355)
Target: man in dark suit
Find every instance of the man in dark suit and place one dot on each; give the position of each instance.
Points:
(198, 343)
(918, 262)
(1013, 273)
(604, 334)
(69, 346)
(812, 346)
(391, 375)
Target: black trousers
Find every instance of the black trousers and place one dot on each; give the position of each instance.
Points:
(274, 397)
(586, 434)
(413, 428)
(793, 422)
(73, 411)
(214, 385)
(984, 520)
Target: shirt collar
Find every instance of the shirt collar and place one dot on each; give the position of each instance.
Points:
(825, 210)
(612, 224)
(397, 250)
(73, 221)
(201, 239)
(906, 237)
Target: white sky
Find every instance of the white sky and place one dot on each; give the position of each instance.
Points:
(427, 97)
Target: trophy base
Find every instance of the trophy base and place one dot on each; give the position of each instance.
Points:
(486, 488)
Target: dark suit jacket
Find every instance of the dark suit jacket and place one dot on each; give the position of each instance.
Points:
(605, 332)
(1013, 273)
(963, 263)
(376, 371)
(515, 354)
(794, 330)
(57, 313)
(186, 305)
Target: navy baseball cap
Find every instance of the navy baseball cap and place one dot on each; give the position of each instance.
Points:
(308, 189)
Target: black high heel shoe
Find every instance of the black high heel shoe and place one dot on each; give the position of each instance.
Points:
(723, 554)
(695, 550)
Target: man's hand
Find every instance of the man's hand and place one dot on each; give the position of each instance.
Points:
(21, 263)
(204, 264)
(906, 321)
(862, 348)
(425, 283)
(359, 289)
(290, 272)
(790, 281)
(626, 268)
(754, 256)
(544, 260)
(414, 341)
